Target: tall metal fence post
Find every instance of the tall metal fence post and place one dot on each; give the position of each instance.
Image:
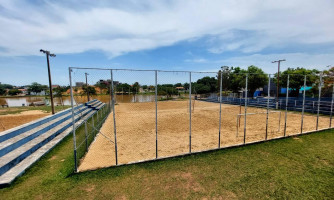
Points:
(279, 121)
(295, 105)
(319, 100)
(113, 112)
(110, 95)
(286, 104)
(246, 97)
(331, 114)
(156, 114)
(220, 105)
(303, 108)
(268, 101)
(189, 112)
(73, 123)
(93, 124)
(86, 135)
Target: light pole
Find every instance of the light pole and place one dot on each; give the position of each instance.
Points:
(47, 53)
(277, 89)
(87, 87)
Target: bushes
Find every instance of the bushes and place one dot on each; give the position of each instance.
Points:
(13, 92)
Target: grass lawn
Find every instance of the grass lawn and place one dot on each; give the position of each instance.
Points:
(292, 168)
(15, 110)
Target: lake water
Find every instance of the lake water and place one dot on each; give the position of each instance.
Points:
(19, 101)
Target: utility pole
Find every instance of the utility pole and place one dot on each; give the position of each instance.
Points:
(87, 87)
(277, 89)
(47, 53)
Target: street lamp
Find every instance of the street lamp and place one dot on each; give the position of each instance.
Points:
(47, 53)
(87, 87)
(277, 89)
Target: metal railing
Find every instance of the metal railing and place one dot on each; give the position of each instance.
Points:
(159, 81)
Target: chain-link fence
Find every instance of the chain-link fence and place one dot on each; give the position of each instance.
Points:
(154, 114)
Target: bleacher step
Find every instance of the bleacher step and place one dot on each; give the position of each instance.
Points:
(12, 158)
(8, 177)
(14, 142)
(31, 141)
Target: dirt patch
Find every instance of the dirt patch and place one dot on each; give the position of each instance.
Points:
(298, 139)
(12, 120)
(189, 182)
(89, 188)
(53, 158)
(226, 195)
(121, 197)
(32, 112)
(136, 133)
(325, 162)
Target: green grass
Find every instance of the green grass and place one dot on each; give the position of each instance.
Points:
(292, 168)
(15, 110)
(80, 135)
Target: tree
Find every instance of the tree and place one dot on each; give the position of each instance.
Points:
(186, 86)
(210, 82)
(91, 90)
(102, 85)
(2, 90)
(13, 92)
(59, 93)
(204, 85)
(327, 84)
(7, 86)
(296, 80)
(201, 89)
(36, 88)
(234, 78)
(226, 73)
(135, 88)
(237, 79)
(123, 87)
(167, 90)
(256, 79)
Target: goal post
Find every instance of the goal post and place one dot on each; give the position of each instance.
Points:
(243, 114)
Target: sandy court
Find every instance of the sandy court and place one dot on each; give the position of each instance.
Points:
(136, 130)
(12, 120)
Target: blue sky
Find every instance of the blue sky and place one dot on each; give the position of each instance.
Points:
(165, 35)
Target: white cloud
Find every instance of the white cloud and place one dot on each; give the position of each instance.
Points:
(197, 60)
(72, 27)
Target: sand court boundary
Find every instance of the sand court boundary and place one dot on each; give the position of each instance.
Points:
(136, 136)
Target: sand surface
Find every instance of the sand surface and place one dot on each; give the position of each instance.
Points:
(12, 120)
(136, 135)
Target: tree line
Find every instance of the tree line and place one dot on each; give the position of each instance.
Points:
(33, 88)
(233, 81)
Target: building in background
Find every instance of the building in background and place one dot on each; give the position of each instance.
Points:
(79, 84)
